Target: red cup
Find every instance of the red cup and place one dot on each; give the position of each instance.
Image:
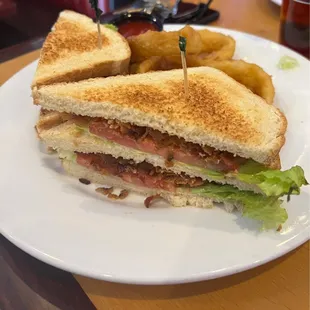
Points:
(295, 25)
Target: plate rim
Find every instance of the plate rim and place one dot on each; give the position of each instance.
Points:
(204, 276)
(302, 236)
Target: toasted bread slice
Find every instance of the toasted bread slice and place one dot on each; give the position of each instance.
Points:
(70, 51)
(219, 111)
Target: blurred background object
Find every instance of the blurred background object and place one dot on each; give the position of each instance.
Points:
(82, 6)
(25, 23)
(143, 15)
(295, 25)
(23, 20)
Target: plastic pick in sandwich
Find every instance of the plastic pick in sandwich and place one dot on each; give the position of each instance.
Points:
(182, 46)
(94, 5)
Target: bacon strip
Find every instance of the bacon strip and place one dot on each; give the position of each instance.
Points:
(150, 199)
(142, 174)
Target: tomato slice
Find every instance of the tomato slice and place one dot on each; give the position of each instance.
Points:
(218, 161)
(138, 176)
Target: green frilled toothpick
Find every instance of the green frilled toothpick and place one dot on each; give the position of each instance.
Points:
(182, 46)
(94, 5)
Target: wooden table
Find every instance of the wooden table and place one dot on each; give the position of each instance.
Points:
(280, 285)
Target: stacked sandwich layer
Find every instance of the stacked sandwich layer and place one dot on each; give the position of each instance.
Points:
(140, 133)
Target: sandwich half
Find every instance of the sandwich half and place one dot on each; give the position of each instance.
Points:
(221, 144)
(70, 51)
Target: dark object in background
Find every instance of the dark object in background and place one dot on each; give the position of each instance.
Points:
(207, 17)
(130, 24)
(14, 37)
(295, 26)
(143, 19)
(27, 283)
(190, 13)
(24, 22)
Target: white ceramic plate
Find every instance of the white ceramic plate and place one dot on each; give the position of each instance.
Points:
(66, 224)
(278, 2)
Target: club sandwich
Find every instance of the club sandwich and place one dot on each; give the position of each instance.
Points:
(220, 144)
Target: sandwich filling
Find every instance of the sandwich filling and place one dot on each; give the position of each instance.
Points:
(169, 147)
(266, 209)
(141, 174)
(221, 165)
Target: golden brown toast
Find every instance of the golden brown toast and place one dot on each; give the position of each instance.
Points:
(70, 51)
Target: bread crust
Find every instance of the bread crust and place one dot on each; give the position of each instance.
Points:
(108, 68)
(219, 111)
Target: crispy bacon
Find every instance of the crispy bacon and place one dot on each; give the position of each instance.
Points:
(142, 174)
(109, 193)
(153, 141)
(150, 199)
(105, 190)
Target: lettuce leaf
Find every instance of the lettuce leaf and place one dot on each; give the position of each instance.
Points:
(272, 182)
(214, 175)
(267, 210)
(287, 63)
(251, 167)
(111, 26)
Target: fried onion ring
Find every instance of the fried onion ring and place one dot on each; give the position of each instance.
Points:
(250, 75)
(210, 45)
